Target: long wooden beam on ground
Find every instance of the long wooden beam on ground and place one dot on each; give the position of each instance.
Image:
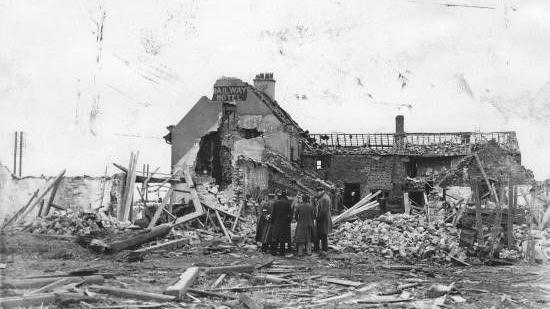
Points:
(157, 231)
(186, 280)
(141, 295)
(170, 245)
(244, 268)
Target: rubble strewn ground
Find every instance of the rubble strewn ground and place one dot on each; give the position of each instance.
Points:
(358, 281)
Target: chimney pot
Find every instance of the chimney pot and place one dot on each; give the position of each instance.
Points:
(265, 83)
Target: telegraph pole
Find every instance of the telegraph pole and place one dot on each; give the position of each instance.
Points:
(15, 154)
(20, 152)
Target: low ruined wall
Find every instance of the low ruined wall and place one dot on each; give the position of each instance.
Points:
(82, 192)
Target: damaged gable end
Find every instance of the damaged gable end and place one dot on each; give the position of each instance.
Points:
(241, 120)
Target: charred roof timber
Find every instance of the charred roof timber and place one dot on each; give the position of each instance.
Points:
(429, 144)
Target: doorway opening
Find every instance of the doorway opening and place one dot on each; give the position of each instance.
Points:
(352, 194)
(417, 198)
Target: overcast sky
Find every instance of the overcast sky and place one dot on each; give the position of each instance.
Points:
(90, 81)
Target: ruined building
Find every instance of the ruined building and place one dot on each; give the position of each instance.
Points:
(241, 137)
(411, 163)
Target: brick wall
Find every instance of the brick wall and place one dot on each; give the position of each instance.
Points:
(372, 172)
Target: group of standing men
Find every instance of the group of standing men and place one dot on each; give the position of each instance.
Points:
(313, 223)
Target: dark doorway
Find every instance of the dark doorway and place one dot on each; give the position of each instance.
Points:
(208, 158)
(417, 198)
(352, 194)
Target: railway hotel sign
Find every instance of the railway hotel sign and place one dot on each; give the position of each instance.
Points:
(229, 93)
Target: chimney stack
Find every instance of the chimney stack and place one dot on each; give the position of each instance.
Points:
(399, 124)
(399, 130)
(265, 82)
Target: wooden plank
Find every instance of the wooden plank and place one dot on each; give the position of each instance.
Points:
(221, 211)
(510, 219)
(121, 206)
(53, 285)
(159, 209)
(342, 282)
(220, 221)
(134, 294)
(406, 203)
(362, 202)
(255, 287)
(242, 268)
(33, 283)
(48, 205)
(20, 211)
(170, 245)
(179, 289)
(130, 189)
(27, 301)
(218, 281)
(497, 223)
(146, 181)
(480, 165)
(157, 231)
(211, 294)
(238, 216)
(40, 197)
(270, 278)
(479, 223)
(249, 302)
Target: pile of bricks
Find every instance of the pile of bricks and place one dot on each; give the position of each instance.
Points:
(401, 237)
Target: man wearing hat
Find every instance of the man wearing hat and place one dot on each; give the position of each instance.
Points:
(263, 229)
(323, 220)
(280, 224)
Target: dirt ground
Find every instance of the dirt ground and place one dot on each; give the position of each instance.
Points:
(518, 286)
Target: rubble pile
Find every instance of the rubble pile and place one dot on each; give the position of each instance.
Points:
(223, 199)
(72, 222)
(403, 237)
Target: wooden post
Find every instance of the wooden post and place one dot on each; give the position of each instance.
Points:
(41, 197)
(103, 185)
(510, 221)
(15, 154)
(406, 203)
(482, 170)
(48, 205)
(477, 199)
(158, 211)
(238, 216)
(497, 223)
(223, 226)
(20, 152)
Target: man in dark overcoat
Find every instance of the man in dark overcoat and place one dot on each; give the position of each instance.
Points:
(323, 220)
(280, 224)
(263, 229)
(305, 228)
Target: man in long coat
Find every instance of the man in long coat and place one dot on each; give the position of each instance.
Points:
(323, 220)
(305, 229)
(280, 224)
(263, 229)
